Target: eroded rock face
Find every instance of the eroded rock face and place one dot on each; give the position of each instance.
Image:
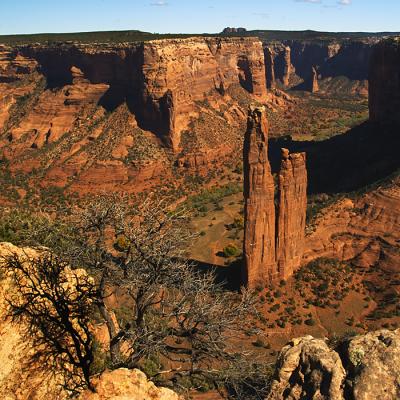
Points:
(362, 368)
(259, 234)
(274, 235)
(384, 82)
(125, 384)
(374, 365)
(291, 217)
(179, 72)
(308, 369)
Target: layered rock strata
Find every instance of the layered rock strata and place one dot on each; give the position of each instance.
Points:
(160, 80)
(274, 235)
(177, 73)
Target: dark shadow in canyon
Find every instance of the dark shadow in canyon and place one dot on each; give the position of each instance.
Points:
(348, 162)
(228, 276)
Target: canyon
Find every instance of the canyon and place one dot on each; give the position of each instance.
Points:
(175, 117)
(294, 61)
(131, 112)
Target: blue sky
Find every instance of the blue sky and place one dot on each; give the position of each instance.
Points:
(197, 16)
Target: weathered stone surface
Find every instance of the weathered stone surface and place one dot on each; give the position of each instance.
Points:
(308, 369)
(374, 365)
(384, 82)
(365, 367)
(125, 384)
(259, 235)
(292, 208)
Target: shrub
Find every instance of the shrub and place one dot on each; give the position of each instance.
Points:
(310, 322)
(231, 251)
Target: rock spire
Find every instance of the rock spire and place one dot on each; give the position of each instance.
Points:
(274, 235)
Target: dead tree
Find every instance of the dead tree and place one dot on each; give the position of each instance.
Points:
(53, 304)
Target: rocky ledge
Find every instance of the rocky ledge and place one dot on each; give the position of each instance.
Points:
(360, 368)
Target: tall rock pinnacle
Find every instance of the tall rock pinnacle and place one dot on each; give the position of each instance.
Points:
(314, 81)
(270, 68)
(291, 217)
(287, 66)
(259, 235)
(274, 235)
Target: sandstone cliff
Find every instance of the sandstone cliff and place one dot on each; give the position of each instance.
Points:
(384, 82)
(179, 72)
(103, 117)
(274, 235)
(361, 368)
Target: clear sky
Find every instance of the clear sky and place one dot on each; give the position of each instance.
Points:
(197, 16)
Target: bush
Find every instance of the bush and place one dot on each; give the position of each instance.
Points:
(231, 251)
(310, 322)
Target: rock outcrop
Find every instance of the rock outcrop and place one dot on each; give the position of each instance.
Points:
(274, 235)
(308, 369)
(384, 82)
(20, 378)
(292, 206)
(179, 72)
(361, 368)
(259, 190)
(125, 384)
(314, 87)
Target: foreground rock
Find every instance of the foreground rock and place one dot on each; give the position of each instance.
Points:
(362, 368)
(125, 384)
(20, 379)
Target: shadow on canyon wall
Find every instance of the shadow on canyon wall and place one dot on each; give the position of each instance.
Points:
(348, 162)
